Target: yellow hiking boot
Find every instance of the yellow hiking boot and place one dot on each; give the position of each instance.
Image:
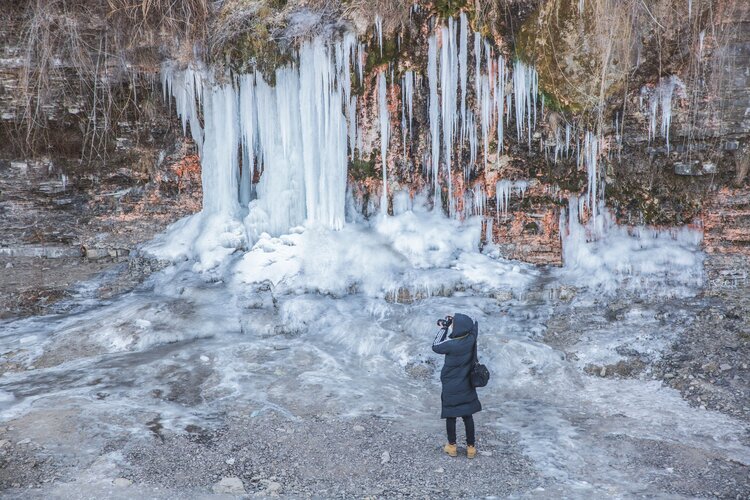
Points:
(471, 451)
(450, 449)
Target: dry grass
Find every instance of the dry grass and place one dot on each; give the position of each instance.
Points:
(150, 20)
(83, 43)
(612, 35)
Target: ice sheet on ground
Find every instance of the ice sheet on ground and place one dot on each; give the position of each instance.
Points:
(278, 328)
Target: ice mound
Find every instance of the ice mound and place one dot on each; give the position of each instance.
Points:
(603, 255)
(204, 237)
(417, 250)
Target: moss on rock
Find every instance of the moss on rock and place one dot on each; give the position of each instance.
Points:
(575, 64)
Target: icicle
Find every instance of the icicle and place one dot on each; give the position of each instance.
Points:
(661, 97)
(476, 206)
(666, 111)
(534, 94)
(701, 38)
(690, 8)
(248, 125)
(580, 6)
(502, 196)
(384, 131)
(432, 76)
(488, 63)
(361, 62)
(353, 136)
(486, 114)
(590, 158)
(220, 168)
(618, 137)
(409, 78)
(500, 101)
(187, 89)
(558, 145)
(404, 125)
(508, 105)
(462, 69)
(472, 128)
(407, 98)
(477, 63)
(448, 89)
(525, 90)
(379, 30)
(521, 187)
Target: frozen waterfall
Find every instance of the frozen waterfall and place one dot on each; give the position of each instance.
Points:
(275, 156)
(296, 133)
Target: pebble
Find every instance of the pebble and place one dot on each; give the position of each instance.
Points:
(4, 443)
(229, 461)
(229, 485)
(122, 482)
(439, 470)
(485, 453)
(358, 428)
(725, 367)
(273, 487)
(24, 441)
(205, 358)
(385, 458)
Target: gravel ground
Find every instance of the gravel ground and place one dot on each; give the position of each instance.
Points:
(326, 457)
(311, 457)
(710, 362)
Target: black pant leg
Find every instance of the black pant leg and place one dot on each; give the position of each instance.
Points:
(450, 426)
(469, 424)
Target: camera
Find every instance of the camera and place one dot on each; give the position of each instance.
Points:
(445, 323)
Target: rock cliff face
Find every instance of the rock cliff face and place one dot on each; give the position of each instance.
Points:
(662, 84)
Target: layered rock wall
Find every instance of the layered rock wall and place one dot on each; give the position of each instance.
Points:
(703, 56)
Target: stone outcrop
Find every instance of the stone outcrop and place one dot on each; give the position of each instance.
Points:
(726, 220)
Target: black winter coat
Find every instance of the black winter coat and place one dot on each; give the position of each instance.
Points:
(459, 397)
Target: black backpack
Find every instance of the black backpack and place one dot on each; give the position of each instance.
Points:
(479, 375)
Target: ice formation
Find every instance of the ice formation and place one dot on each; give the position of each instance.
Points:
(434, 113)
(407, 107)
(601, 254)
(503, 190)
(295, 137)
(379, 31)
(186, 87)
(447, 72)
(525, 87)
(463, 70)
(591, 161)
(297, 133)
(660, 99)
(384, 133)
(500, 100)
(448, 88)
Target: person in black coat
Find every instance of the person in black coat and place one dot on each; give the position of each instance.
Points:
(459, 398)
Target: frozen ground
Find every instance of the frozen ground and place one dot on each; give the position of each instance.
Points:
(294, 367)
